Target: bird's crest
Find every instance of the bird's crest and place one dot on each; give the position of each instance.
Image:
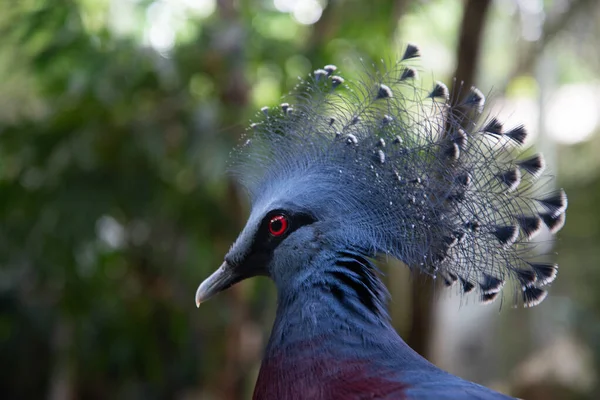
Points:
(423, 176)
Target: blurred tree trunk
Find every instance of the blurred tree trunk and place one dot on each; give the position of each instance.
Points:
(469, 45)
(62, 378)
(423, 287)
(229, 67)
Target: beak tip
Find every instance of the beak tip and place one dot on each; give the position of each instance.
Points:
(198, 299)
(218, 281)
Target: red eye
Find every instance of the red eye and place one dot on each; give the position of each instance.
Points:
(278, 225)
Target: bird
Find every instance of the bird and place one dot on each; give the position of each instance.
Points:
(348, 172)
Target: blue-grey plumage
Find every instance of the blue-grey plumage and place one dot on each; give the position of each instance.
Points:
(347, 171)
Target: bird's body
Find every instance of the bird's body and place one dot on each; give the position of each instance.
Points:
(323, 348)
(335, 341)
(349, 173)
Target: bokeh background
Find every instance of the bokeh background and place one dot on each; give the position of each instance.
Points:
(116, 121)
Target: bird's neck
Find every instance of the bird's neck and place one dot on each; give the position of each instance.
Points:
(335, 326)
(344, 295)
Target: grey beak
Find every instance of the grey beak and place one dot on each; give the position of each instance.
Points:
(221, 279)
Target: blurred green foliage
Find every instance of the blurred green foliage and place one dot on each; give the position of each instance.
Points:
(113, 200)
(107, 209)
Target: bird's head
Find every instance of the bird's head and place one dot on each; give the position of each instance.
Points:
(272, 243)
(297, 213)
(380, 167)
